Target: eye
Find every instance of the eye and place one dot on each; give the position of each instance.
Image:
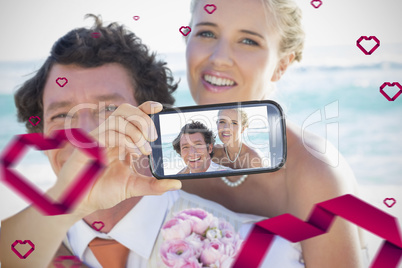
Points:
(206, 34)
(249, 42)
(59, 116)
(111, 108)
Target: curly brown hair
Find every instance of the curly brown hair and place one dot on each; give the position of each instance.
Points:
(151, 79)
(191, 128)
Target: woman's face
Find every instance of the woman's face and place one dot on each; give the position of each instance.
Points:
(229, 126)
(232, 53)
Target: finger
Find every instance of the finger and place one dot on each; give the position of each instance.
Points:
(151, 107)
(139, 118)
(131, 137)
(146, 185)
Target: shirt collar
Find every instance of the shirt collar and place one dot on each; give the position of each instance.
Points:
(137, 230)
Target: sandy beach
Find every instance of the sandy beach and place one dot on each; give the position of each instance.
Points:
(373, 194)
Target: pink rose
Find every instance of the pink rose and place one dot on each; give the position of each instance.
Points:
(176, 229)
(196, 241)
(200, 219)
(212, 252)
(177, 253)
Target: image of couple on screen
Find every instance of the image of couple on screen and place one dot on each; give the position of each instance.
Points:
(196, 145)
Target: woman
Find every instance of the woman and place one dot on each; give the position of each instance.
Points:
(234, 153)
(236, 54)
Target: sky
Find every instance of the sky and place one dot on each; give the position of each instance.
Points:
(30, 27)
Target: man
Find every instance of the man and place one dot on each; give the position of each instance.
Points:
(103, 83)
(195, 144)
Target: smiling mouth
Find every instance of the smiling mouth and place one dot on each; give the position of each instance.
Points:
(218, 81)
(226, 135)
(194, 159)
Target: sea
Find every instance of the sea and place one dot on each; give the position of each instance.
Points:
(334, 93)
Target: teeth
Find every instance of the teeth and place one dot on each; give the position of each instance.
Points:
(193, 160)
(218, 81)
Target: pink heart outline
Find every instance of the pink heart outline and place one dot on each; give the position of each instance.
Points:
(59, 259)
(98, 222)
(136, 17)
(368, 39)
(36, 122)
(16, 242)
(73, 193)
(391, 199)
(207, 8)
(62, 78)
(96, 35)
(185, 27)
(313, 3)
(390, 85)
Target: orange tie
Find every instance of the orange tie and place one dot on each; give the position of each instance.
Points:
(109, 253)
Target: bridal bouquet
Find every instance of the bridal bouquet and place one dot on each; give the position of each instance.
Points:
(195, 238)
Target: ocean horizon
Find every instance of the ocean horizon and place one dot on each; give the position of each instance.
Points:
(327, 94)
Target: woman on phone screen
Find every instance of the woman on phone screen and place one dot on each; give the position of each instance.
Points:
(235, 54)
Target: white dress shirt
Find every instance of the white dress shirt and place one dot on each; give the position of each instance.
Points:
(139, 230)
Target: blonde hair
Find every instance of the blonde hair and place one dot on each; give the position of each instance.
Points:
(287, 18)
(243, 115)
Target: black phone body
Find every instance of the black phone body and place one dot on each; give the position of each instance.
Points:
(268, 138)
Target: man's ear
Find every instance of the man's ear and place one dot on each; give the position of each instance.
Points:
(210, 147)
(283, 64)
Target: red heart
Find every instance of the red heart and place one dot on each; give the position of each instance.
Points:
(136, 17)
(390, 85)
(210, 8)
(79, 186)
(32, 118)
(96, 35)
(185, 28)
(65, 81)
(389, 202)
(59, 259)
(98, 223)
(368, 39)
(22, 242)
(316, 5)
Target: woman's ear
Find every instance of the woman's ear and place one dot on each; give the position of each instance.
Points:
(283, 64)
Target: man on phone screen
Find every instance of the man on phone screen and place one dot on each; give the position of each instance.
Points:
(195, 144)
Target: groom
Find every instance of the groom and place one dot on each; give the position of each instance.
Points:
(195, 144)
(103, 84)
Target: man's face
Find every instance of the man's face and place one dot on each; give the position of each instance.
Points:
(195, 152)
(89, 97)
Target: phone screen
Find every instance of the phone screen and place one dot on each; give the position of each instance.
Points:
(218, 140)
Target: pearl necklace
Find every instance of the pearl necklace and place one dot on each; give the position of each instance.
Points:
(238, 153)
(236, 183)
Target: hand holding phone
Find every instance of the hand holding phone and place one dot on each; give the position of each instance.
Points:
(218, 140)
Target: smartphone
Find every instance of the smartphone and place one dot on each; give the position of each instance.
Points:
(218, 140)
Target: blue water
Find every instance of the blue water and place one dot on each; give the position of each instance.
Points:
(369, 126)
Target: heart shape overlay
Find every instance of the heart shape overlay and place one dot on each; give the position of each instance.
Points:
(59, 259)
(136, 17)
(390, 85)
(185, 30)
(16, 242)
(33, 117)
(368, 39)
(319, 222)
(389, 202)
(210, 8)
(73, 193)
(98, 223)
(316, 3)
(95, 35)
(63, 83)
